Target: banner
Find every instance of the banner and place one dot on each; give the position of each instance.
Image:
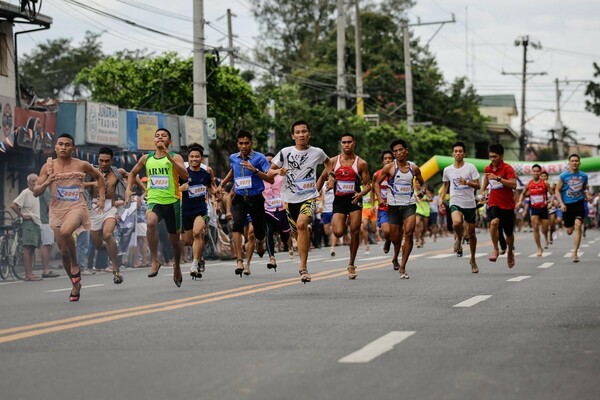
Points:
(147, 126)
(102, 124)
(7, 107)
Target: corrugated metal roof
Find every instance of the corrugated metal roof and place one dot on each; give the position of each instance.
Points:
(498, 100)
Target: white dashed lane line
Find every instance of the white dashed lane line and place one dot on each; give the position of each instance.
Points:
(376, 348)
(69, 289)
(546, 265)
(519, 278)
(545, 254)
(472, 301)
(570, 254)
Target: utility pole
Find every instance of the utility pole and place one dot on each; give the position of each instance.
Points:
(341, 45)
(199, 76)
(558, 127)
(360, 105)
(410, 114)
(230, 36)
(525, 42)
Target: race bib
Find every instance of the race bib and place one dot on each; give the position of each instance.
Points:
(67, 193)
(159, 182)
(344, 187)
(403, 189)
(274, 202)
(305, 186)
(458, 186)
(494, 184)
(367, 199)
(537, 200)
(196, 191)
(244, 182)
(575, 187)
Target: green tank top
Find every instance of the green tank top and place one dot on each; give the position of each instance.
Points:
(163, 180)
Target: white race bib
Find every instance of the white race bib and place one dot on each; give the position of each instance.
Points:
(67, 193)
(537, 199)
(244, 182)
(344, 187)
(403, 188)
(159, 182)
(494, 184)
(196, 191)
(304, 186)
(274, 202)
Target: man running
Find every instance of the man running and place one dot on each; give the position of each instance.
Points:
(248, 170)
(163, 169)
(462, 179)
(105, 221)
(349, 172)
(383, 215)
(401, 201)
(502, 181)
(537, 190)
(194, 208)
(68, 211)
(298, 164)
(572, 190)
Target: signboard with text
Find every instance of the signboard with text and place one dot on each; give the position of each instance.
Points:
(147, 126)
(102, 124)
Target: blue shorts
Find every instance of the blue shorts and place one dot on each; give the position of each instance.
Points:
(383, 217)
(326, 217)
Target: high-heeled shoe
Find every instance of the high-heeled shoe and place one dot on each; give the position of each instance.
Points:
(304, 276)
(352, 272)
(75, 297)
(272, 264)
(246, 269)
(76, 278)
(117, 277)
(260, 247)
(177, 281)
(152, 274)
(238, 270)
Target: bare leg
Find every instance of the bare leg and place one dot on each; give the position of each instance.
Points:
(152, 237)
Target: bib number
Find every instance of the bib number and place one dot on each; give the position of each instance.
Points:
(537, 200)
(344, 187)
(305, 186)
(196, 191)
(159, 182)
(67, 193)
(274, 202)
(244, 182)
(403, 189)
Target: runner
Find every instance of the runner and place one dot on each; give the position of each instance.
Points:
(572, 190)
(248, 170)
(68, 209)
(369, 219)
(383, 214)
(501, 201)
(104, 222)
(349, 172)
(401, 201)
(276, 218)
(537, 191)
(194, 206)
(163, 169)
(298, 164)
(462, 180)
(328, 196)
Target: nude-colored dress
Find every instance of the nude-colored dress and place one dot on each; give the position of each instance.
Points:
(67, 199)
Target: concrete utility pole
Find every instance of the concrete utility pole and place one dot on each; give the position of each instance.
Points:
(360, 105)
(410, 114)
(525, 42)
(558, 126)
(199, 76)
(230, 36)
(341, 45)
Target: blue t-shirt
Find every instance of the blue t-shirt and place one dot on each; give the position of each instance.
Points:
(194, 199)
(245, 183)
(573, 186)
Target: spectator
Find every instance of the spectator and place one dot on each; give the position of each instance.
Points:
(47, 236)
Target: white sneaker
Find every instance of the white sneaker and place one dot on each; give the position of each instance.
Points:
(194, 270)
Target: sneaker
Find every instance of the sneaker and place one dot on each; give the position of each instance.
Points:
(386, 246)
(194, 271)
(88, 271)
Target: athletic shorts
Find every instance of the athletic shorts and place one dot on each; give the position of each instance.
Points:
(343, 205)
(469, 214)
(188, 221)
(279, 220)
(98, 219)
(541, 212)
(506, 217)
(47, 235)
(383, 217)
(326, 217)
(367, 214)
(171, 213)
(32, 235)
(574, 211)
(399, 213)
(243, 207)
(432, 220)
(293, 210)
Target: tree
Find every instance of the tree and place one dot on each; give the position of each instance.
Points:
(593, 91)
(50, 69)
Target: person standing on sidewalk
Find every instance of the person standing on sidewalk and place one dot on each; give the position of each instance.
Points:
(502, 180)
(462, 180)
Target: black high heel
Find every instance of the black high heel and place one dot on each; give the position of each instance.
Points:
(76, 278)
(177, 281)
(75, 297)
(238, 270)
(272, 264)
(155, 273)
(117, 277)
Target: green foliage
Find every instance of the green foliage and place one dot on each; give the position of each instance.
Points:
(50, 70)
(593, 91)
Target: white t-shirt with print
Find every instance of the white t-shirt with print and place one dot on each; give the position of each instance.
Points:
(461, 195)
(300, 183)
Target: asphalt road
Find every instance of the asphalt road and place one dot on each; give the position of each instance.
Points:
(531, 332)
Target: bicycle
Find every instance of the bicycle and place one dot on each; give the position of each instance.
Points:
(11, 249)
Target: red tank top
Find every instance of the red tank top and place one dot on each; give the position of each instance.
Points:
(346, 178)
(537, 194)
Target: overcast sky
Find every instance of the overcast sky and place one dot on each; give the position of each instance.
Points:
(480, 44)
